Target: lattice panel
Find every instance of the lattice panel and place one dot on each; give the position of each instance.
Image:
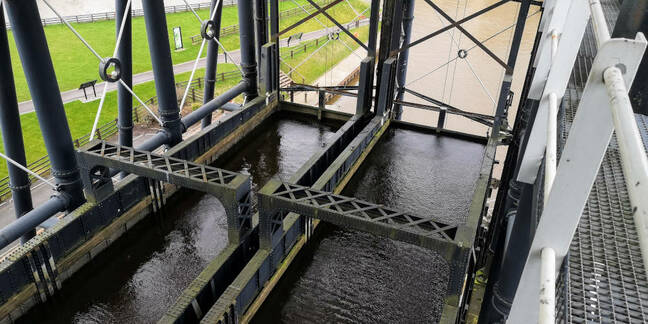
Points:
(162, 163)
(370, 212)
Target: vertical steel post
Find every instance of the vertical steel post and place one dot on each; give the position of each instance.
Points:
(274, 37)
(248, 61)
(386, 32)
(12, 132)
(368, 65)
(158, 40)
(125, 56)
(211, 67)
(512, 59)
(373, 27)
(261, 26)
(408, 16)
(41, 79)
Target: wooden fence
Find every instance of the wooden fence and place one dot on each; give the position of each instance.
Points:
(42, 166)
(231, 30)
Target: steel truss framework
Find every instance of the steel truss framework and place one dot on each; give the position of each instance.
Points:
(232, 189)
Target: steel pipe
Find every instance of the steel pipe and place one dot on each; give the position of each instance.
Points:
(599, 24)
(12, 131)
(551, 147)
(547, 287)
(633, 154)
(214, 104)
(248, 61)
(403, 58)
(41, 79)
(158, 39)
(30, 220)
(212, 59)
(125, 57)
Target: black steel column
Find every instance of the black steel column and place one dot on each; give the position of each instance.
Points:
(261, 26)
(212, 60)
(374, 20)
(12, 131)
(158, 39)
(248, 62)
(388, 16)
(408, 17)
(503, 291)
(41, 79)
(368, 65)
(125, 56)
(500, 112)
(633, 18)
(274, 32)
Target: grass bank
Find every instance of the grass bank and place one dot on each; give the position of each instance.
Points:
(80, 115)
(74, 64)
(326, 58)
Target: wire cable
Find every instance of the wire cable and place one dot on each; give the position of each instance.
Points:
(74, 31)
(141, 102)
(20, 166)
(469, 49)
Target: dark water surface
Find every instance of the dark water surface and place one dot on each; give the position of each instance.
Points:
(142, 274)
(347, 276)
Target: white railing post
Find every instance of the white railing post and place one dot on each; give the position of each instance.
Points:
(633, 154)
(547, 287)
(552, 76)
(580, 160)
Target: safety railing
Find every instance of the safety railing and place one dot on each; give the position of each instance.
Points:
(604, 108)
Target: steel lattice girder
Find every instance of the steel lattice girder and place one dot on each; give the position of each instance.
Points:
(231, 188)
(357, 214)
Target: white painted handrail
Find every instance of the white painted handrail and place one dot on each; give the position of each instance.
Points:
(616, 58)
(547, 287)
(633, 154)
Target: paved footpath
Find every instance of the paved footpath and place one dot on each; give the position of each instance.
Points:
(73, 95)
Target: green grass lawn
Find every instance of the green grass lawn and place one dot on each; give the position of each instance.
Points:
(325, 59)
(81, 116)
(75, 64)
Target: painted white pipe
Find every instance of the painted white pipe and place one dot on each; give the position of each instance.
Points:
(547, 287)
(633, 154)
(554, 43)
(599, 23)
(550, 151)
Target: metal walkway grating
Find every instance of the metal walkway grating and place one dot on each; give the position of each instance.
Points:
(607, 280)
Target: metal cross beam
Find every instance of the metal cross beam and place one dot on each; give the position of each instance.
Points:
(309, 17)
(469, 35)
(350, 212)
(231, 188)
(480, 118)
(454, 24)
(346, 31)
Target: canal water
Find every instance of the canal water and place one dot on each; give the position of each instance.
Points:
(353, 277)
(142, 274)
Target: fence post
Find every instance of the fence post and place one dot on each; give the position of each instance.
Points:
(199, 84)
(305, 47)
(76, 143)
(223, 76)
(193, 94)
(98, 134)
(292, 54)
(316, 41)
